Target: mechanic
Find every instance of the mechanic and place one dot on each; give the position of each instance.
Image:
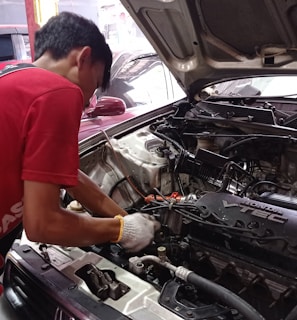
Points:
(40, 113)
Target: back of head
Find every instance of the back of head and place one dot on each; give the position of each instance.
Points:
(67, 31)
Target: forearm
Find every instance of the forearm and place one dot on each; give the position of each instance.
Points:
(45, 221)
(67, 228)
(88, 193)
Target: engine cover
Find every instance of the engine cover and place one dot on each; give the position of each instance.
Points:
(249, 223)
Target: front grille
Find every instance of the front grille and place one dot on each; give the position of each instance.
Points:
(36, 290)
(28, 299)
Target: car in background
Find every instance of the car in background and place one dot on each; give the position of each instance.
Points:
(217, 169)
(141, 81)
(14, 45)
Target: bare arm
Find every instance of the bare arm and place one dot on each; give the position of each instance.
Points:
(92, 197)
(45, 221)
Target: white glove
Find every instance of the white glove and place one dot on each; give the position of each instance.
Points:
(137, 231)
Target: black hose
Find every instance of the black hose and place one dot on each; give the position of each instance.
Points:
(115, 186)
(226, 297)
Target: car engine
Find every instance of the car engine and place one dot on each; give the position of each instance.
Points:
(221, 177)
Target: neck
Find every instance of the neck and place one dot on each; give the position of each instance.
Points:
(47, 62)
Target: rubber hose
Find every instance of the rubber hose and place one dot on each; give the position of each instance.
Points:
(225, 296)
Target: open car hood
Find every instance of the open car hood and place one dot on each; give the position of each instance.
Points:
(203, 41)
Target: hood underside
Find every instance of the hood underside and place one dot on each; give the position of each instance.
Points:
(202, 41)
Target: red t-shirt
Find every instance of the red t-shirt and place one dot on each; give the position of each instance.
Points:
(40, 114)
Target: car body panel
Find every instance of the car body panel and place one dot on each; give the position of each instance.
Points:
(89, 127)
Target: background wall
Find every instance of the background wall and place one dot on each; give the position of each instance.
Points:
(110, 16)
(86, 8)
(12, 12)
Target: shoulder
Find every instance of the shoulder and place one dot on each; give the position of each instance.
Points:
(37, 81)
(36, 86)
(35, 74)
(39, 74)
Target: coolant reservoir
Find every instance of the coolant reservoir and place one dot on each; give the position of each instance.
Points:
(140, 155)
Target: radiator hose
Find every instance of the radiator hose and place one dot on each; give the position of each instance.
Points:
(225, 296)
(218, 292)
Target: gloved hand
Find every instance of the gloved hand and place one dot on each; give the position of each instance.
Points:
(137, 231)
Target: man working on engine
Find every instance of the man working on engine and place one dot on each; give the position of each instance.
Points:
(40, 112)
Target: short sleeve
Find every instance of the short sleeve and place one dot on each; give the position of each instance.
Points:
(50, 136)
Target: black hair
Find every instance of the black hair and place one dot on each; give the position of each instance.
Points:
(67, 31)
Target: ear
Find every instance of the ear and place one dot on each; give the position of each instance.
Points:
(83, 57)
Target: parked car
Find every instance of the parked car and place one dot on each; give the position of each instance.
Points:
(217, 170)
(139, 79)
(14, 45)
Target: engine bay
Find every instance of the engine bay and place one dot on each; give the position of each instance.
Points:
(222, 180)
(221, 177)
